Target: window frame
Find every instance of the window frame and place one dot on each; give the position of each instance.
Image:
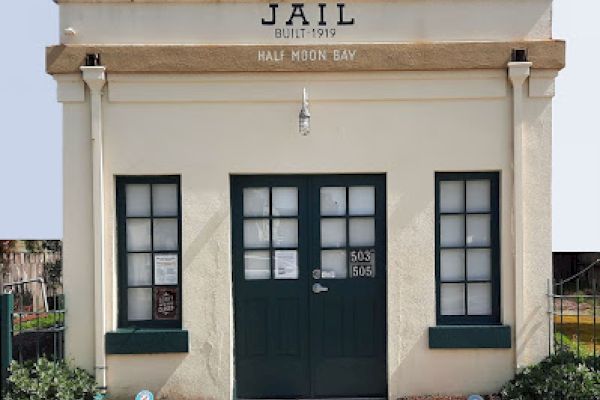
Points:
(122, 273)
(495, 317)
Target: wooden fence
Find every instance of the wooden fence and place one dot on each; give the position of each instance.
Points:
(35, 268)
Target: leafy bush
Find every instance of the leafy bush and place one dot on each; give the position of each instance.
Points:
(47, 380)
(560, 376)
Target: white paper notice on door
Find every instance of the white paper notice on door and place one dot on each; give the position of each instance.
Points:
(165, 269)
(286, 264)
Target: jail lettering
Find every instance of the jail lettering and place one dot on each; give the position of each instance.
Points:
(307, 55)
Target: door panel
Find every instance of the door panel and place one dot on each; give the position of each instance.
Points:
(348, 328)
(270, 248)
(288, 234)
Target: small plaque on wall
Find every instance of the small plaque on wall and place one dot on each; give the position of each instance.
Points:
(166, 305)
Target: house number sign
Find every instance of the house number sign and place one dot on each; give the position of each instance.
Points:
(362, 263)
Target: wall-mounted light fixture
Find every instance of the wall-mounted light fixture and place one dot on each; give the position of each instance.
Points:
(304, 117)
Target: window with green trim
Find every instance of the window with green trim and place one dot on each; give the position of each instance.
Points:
(467, 248)
(149, 251)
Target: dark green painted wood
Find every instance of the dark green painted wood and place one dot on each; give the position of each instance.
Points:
(148, 341)
(6, 332)
(291, 343)
(271, 341)
(470, 337)
(121, 182)
(348, 323)
(494, 318)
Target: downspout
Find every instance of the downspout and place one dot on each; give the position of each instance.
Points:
(518, 72)
(95, 78)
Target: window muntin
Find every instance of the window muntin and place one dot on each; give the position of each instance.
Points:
(270, 233)
(467, 248)
(149, 245)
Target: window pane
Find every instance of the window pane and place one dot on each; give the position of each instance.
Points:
(333, 264)
(257, 265)
(137, 200)
(452, 196)
(452, 230)
(478, 230)
(256, 233)
(478, 196)
(452, 296)
(362, 200)
(164, 200)
(333, 201)
(333, 232)
(362, 231)
(480, 298)
(256, 202)
(285, 201)
(139, 304)
(139, 269)
(286, 264)
(165, 234)
(452, 265)
(138, 235)
(479, 264)
(285, 232)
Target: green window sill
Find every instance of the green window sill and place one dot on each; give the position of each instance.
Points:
(147, 341)
(470, 337)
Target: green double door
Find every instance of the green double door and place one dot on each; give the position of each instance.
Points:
(309, 274)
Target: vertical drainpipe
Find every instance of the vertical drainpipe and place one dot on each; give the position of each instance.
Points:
(95, 78)
(518, 72)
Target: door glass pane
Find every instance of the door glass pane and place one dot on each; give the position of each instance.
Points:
(333, 201)
(257, 265)
(285, 232)
(256, 233)
(256, 202)
(452, 196)
(333, 232)
(480, 298)
(478, 230)
(139, 269)
(285, 201)
(333, 264)
(139, 304)
(137, 200)
(479, 264)
(362, 200)
(286, 264)
(452, 296)
(452, 230)
(165, 234)
(452, 265)
(164, 200)
(138, 234)
(478, 196)
(362, 231)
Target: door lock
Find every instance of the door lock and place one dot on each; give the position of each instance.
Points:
(318, 288)
(316, 273)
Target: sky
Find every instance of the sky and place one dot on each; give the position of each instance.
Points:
(31, 142)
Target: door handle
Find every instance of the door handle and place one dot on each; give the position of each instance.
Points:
(318, 288)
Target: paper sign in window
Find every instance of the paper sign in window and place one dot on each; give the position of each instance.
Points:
(166, 271)
(286, 264)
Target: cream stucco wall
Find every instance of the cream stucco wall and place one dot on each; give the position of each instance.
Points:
(407, 125)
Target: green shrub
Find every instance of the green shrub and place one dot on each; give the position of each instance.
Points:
(48, 380)
(560, 376)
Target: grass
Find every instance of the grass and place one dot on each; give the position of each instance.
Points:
(571, 330)
(42, 321)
